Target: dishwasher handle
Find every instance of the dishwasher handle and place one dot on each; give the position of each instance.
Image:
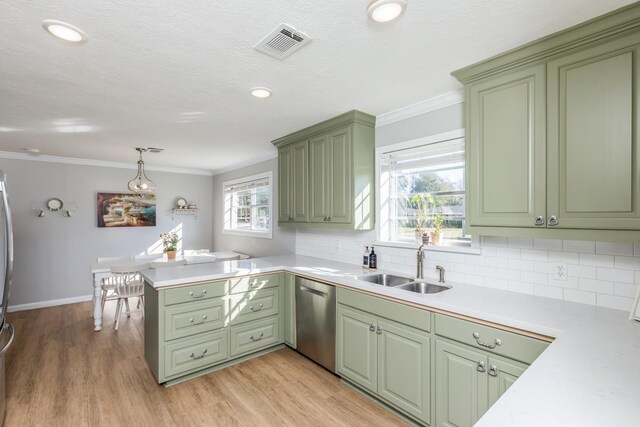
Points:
(312, 291)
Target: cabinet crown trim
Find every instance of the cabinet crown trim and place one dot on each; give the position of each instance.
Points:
(353, 116)
(612, 25)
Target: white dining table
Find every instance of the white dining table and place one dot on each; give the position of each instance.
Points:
(99, 270)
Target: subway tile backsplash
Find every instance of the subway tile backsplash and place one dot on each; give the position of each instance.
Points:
(598, 273)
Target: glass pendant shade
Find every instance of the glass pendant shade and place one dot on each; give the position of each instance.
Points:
(141, 184)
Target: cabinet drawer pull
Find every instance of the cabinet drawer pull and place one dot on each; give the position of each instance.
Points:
(254, 285)
(493, 370)
(372, 327)
(379, 330)
(496, 342)
(553, 220)
(193, 356)
(480, 367)
(204, 319)
(256, 309)
(203, 293)
(257, 339)
(539, 220)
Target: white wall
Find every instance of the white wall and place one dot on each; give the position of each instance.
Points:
(603, 274)
(283, 241)
(52, 254)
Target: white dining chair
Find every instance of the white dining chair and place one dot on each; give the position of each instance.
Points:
(108, 286)
(128, 284)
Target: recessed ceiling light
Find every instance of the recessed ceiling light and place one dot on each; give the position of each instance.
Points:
(261, 92)
(385, 10)
(64, 31)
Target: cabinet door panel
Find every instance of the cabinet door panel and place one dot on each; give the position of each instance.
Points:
(285, 157)
(300, 182)
(461, 390)
(356, 347)
(506, 150)
(404, 364)
(340, 173)
(593, 153)
(319, 181)
(289, 309)
(507, 373)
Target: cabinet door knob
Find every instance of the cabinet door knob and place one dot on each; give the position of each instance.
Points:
(480, 367)
(372, 327)
(379, 330)
(539, 220)
(553, 220)
(493, 370)
(329, 219)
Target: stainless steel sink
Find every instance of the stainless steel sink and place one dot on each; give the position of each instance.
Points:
(420, 287)
(384, 279)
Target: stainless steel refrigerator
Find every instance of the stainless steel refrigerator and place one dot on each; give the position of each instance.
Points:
(6, 268)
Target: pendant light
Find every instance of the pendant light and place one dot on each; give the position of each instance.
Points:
(141, 184)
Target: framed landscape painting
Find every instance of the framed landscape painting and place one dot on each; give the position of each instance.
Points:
(126, 210)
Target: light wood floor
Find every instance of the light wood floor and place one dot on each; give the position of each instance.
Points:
(62, 373)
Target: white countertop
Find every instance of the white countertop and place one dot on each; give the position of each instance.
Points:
(589, 376)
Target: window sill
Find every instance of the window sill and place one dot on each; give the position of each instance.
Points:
(259, 234)
(453, 249)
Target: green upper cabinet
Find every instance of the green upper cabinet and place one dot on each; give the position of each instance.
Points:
(593, 174)
(331, 174)
(506, 149)
(552, 134)
(332, 183)
(293, 167)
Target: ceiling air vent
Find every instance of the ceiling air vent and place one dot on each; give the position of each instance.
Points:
(282, 41)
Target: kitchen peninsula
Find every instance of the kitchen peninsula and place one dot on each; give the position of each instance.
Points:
(579, 366)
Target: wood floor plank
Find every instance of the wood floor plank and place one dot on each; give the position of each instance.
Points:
(62, 373)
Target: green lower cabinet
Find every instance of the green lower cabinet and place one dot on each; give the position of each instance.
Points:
(404, 365)
(502, 375)
(289, 309)
(356, 345)
(388, 359)
(461, 385)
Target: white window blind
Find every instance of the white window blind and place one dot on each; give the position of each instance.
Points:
(422, 191)
(247, 206)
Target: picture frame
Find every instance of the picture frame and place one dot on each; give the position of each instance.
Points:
(125, 210)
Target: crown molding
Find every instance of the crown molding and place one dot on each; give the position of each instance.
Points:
(422, 107)
(99, 163)
(248, 163)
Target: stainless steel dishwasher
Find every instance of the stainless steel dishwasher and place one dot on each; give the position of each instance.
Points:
(316, 322)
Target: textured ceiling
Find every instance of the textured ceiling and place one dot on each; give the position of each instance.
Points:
(176, 74)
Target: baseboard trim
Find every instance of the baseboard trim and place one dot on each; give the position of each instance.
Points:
(49, 303)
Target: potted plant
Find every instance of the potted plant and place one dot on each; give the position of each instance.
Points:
(437, 222)
(170, 243)
(421, 204)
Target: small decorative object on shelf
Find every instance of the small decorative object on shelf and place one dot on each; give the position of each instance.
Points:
(54, 204)
(181, 203)
(170, 243)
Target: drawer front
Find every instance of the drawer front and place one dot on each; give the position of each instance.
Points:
(194, 293)
(255, 335)
(254, 305)
(183, 320)
(411, 316)
(508, 344)
(253, 283)
(184, 356)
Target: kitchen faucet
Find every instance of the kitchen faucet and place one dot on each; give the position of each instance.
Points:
(420, 272)
(441, 271)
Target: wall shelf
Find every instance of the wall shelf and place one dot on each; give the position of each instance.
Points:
(185, 212)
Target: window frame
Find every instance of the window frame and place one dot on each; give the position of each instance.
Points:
(252, 233)
(474, 248)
